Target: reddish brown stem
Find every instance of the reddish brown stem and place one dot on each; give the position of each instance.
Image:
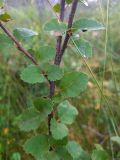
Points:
(67, 37)
(18, 45)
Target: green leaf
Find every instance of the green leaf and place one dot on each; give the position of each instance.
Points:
(59, 130)
(24, 33)
(62, 152)
(46, 53)
(37, 146)
(66, 112)
(73, 83)
(116, 139)
(74, 149)
(58, 143)
(87, 24)
(84, 156)
(50, 156)
(32, 74)
(55, 25)
(56, 7)
(29, 120)
(54, 72)
(5, 17)
(44, 106)
(99, 153)
(16, 156)
(84, 47)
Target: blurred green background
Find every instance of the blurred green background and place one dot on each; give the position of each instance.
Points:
(95, 123)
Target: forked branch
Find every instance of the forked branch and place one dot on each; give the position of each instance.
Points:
(67, 36)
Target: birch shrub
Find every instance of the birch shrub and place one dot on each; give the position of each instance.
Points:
(55, 109)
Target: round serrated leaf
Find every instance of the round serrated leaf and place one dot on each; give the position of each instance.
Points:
(87, 24)
(85, 47)
(59, 130)
(50, 156)
(44, 106)
(99, 155)
(73, 83)
(46, 53)
(58, 143)
(37, 146)
(62, 152)
(54, 72)
(74, 149)
(24, 33)
(29, 120)
(66, 112)
(55, 25)
(32, 74)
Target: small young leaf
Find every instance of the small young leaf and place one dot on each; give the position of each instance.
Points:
(46, 53)
(74, 149)
(29, 120)
(55, 25)
(87, 24)
(56, 7)
(44, 106)
(32, 74)
(5, 17)
(73, 83)
(24, 33)
(59, 130)
(54, 72)
(84, 47)
(116, 139)
(66, 112)
(37, 146)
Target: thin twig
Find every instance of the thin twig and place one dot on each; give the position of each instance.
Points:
(20, 48)
(59, 38)
(68, 35)
(18, 45)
